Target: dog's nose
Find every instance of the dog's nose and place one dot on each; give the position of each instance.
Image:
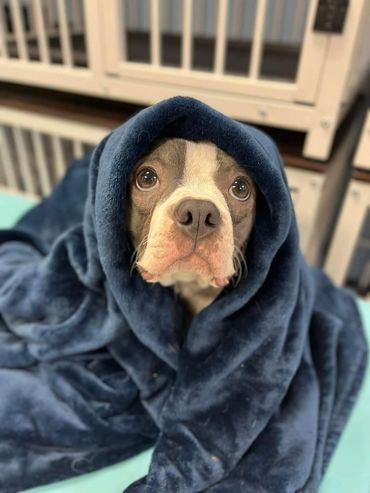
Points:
(197, 218)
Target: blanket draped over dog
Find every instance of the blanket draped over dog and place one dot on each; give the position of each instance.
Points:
(97, 365)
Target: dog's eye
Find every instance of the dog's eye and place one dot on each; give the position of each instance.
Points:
(146, 179)
(240, 189)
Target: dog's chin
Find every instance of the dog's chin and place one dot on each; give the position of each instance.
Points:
(171, 278)
(190, 269)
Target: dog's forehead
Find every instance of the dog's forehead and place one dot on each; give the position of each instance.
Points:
(169, 151)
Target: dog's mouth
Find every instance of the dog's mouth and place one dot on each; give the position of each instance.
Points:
(186, 268)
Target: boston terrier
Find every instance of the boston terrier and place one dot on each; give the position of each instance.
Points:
(191, 211)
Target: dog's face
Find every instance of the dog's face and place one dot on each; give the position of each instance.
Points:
(192, 208)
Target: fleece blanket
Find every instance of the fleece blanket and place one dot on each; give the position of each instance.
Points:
(94, 363)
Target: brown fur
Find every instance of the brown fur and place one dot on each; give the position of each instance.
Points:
(168, 159)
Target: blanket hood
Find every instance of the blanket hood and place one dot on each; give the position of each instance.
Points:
(105, 225)
(253, 398)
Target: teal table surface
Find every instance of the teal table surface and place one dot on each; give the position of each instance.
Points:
(12, 207)
(349, 469)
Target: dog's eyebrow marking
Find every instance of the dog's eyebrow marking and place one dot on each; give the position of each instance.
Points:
(228, 168)
(170, 153)
(226, 162)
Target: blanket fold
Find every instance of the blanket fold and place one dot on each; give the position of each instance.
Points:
(97, 365)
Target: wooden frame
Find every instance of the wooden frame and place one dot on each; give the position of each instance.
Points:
(306, 188)
(347, 231)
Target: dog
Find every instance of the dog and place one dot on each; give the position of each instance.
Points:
(191, 212)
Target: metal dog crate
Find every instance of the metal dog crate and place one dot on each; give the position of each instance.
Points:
(271, 62)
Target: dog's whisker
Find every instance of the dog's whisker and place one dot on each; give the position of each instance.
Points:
(133, 256)
(242, 259)
(132, 268)
(237, 267)
(137, 253)
(240, 265)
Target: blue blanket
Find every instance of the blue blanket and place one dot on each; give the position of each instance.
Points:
(93, 364)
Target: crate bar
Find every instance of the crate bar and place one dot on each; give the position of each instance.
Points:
(257, 45)
(187, 38)
(64, 34)
(3, 46)
(155, 41)
(58, 155)
(78, 150)
(221, 36)
(41, 31)
(19, 29)
(23, 159)
(5, 155)
(41, 163)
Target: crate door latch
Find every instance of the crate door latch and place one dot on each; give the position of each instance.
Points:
(331, 16)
